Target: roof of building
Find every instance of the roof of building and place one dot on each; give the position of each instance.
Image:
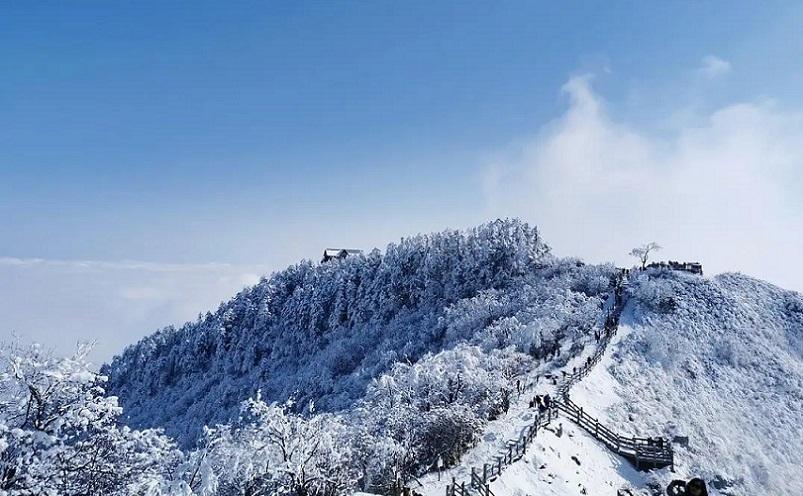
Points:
(336, 252)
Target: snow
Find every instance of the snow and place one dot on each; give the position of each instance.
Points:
(718, 368)
(603, 466)
(323, 332)
(718, 360)
(598, 391)
(494, 439)
(722, 364)
(548, 468)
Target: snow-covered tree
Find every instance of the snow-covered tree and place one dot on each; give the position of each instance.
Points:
(386, 305)
(59, 432)
(270, 450)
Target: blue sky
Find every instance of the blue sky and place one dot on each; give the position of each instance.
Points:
(219, 140)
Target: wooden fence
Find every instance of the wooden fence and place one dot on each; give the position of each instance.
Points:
(644, 453)
(514, 450)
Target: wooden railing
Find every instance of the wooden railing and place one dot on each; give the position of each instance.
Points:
(482, 486)
(455, 489)
(644, 453)
(514, 450)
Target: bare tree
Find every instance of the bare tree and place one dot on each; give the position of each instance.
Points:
(643, 252)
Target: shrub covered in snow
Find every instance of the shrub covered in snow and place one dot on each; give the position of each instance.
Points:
(270, 450)
(59, 432)
(437, 407)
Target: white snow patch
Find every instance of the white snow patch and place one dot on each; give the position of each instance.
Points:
(549, 470)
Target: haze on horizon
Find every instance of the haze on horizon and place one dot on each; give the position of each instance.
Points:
(154, 160)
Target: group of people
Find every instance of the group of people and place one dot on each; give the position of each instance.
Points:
(611, 323)
(694, 487)
(657, 441)
(542, 402)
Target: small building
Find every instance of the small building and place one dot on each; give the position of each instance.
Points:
(338, 253)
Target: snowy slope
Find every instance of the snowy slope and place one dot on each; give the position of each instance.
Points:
(549, 470)
(322, 332)
(718, 360)
(402, 359)
(497, 433)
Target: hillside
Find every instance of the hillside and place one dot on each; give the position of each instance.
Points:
(718, 360)
(417, 354)
(322, 332)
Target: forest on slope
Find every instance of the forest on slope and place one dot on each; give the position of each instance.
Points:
(360, 374)
(320, 333)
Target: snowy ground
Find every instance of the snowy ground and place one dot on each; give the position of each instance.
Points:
(550, 468)
(572, 464)
(497, 433)
(598, 391)
(723, 367)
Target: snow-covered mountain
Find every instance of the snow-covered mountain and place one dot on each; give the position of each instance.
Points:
(321, 332)
(369, 373)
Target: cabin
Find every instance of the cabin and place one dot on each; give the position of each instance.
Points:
(338, 253)
(692, 267)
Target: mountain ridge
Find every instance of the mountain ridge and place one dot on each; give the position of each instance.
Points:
(307, 321)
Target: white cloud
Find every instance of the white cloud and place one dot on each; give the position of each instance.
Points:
(715, 191)
(713, 67)
(142, 293)
(115, 265)
(61, 302)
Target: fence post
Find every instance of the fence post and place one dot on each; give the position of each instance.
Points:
(671, 459)
(473, 476)
(484, 473)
